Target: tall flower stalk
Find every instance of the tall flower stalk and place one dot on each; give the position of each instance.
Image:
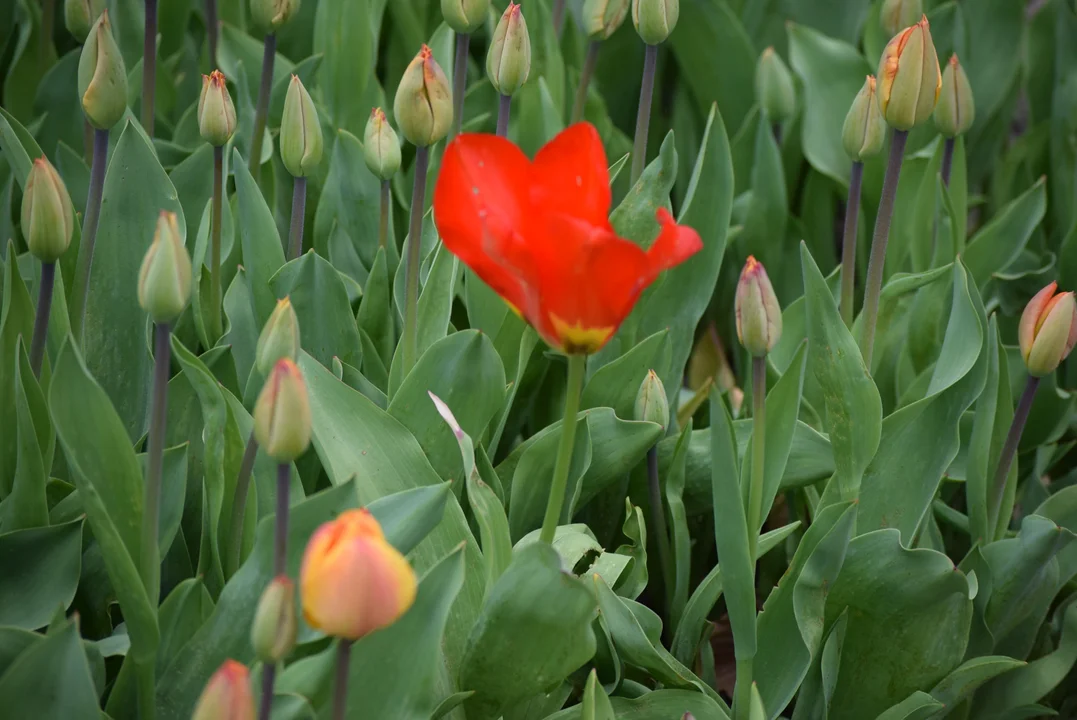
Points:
(954, 113)
(149, 66)
(601, 18)
(464, 17)
(381, 152)
(270, 15)
(217, 124)
(301, 153)
(508, 62)
(654, 21)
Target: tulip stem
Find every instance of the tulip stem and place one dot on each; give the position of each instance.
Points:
(299, 209)
(212, 29)
(89, 232)
(742, 691)
(340, 685)
(41, 319)
(759, 432)
(269, 50)
(146, 677)
(383, 219)
(1005, 458)
(558, 15)
(48, 22)
(87, 140)
(878, 243)
(643, 116)
(149, 66)
(280, 538)
(947, 161)
(504, 106)
(577, 364)
(151, 505)
(459, 81)
(216, 328)
(269, 676)
(848, 243)
(415, 237)
(239, 504)
(658, 522)
(590, 61)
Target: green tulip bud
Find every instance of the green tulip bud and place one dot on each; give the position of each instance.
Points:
(282, 422)
(423, 103)
(864, 130)
(651, 402)
(774, 90)
(956, 111)
(896, 15)
(909, 77)
(300, 132)
(381, 148)
(759, 316)
(227, 695)
(601, 18)
(1048, 330)
(655, 19)
(464, 16)
(274, 629)
(271, 14)
(216, 113)
(102, 77)
(509, 60)
(164, 281)
(80, 15)
(48, 218)
(279, 338)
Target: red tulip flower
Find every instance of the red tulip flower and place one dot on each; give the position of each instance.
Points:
(538, 232)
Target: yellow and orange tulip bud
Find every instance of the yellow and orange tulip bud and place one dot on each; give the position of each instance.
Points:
(909, 77)
(759, 316)
(352, 580)
(227, 695)
(423, 102)
(282, 422)
(1048, 330)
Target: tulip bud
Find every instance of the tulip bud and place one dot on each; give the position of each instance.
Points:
(423, 103)
(48, 217)
(464, 16)
(509, 59)
(759, 316)
(164, 281)
(651, 402)
(300, 133)
(80, 15)
(352, 580)
(601, 18)
(655, 19)
(774, 87)
(102, 77)
(227, 695)
(279, 338)
(282, 413)
(271, 14)
(274, 629)
(216, 113)
(899, 14)
(909, 77)
(956, 111)
(1048, 330)
(864, 130)
(381, 148)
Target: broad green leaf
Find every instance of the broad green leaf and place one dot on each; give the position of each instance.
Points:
(767, 212)
(532, 479)
(185, 609)
(616, 384)
(918, 706)
(657, 705)
(193, 181)
(375, 316)
(344, 35)
(27, 505)
(960, 684)
(263, 253)
(998, 243)
(756, 711)
(16, 320)
(19, 147)
(41, 572)
(242, 329)
(51, 679)
(635, 529)
(596, 704)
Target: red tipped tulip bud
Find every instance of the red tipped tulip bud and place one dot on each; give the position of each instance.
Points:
(216, 113)
(227, 695)
(508, 61)
(759, 316)
(164, 281)
(282, 423)
(381, 148)
(423, 103)
(1048, 330)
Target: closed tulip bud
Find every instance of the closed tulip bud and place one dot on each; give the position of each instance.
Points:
(1048, 330)
(164, 281)
(899, 14)
(282, 413)
(423, 102)
(759, 316)
(381, 148)
(274, 629)
(271, 14)
(864, 130)
(216, 113)
(352, 580)
(102, 77)
(464, 16)
(651, 402)
(279, 338)
(909, 77)
(774, 88)
(227, 695)
(300, 132)
(655, 19)
(508, 61)
(80, 15)
(48, 217)
(601, 18)
(956, 111)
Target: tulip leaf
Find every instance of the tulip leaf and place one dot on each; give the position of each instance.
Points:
(16, 321)
(964, 680)
(375, 316)
(51, 679)
(242, 330)
(42, 566)
(263, 253)
(19, 147)
(596, 704)
(768, 204)
(616, 384)
(1000, 241)
(344, 36)
(193, 180)
(918, 706)
(27, 505)
(679, 533)
(657, 705)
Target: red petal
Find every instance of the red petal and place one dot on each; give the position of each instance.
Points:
(570, 175)
(675, 244)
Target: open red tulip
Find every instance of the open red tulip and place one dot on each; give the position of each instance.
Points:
(538, 232)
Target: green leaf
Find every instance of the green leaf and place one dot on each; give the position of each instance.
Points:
(756, 711)
(990, 424)
(27, 505)
(344, 35)
(964, 680)
(16, 320)
(635, 529)
(41, 572)
(375, 316)
(263, 253)
(596, 704)
(242, 330)
(185, 609)
(657, 705)
(616, 384)
(768, 204)
(18, 146)
(918, 706)
(51, 679)
(682, 538)
(998, 243)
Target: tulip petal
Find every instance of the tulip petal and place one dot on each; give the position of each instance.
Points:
(570, 175)
(674, 244)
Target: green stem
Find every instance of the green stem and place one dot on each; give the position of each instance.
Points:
(48, 23)
(504, 107)
(383, 219)
(269, 50)
(658, 524)
(239, 505)
(299, 210)
(577, 364)
(151, 505)
(459, 82)
(588, 70)
(415, 241)
(41, 318)
(1006, 456)
(81, 291)
(212, 30)
(216, 327)
(643, 114)
(340, 684)
(848, 243)
(742, 691)
(269, 676)
(877, 259)
(280, 535)
(149, 66)
(146, 679)
(558, 15)
(759, 431)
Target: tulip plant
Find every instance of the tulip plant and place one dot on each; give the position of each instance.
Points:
(491, 360)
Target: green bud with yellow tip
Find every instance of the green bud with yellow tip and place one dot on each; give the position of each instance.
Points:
(601, 18)
(464, 16)
(651, 402)
(423, 102)
(956, 111)
(48, 218)
(279, 338)
(758, 314)
(655, 19)
(282, 423)
(216, 113)
(270, 15)
(381, 147)
(864, 130)
(273, 631)
(164, 281)
(508, 61)
(300, 131)
(102, 77)
(774, 90)
(909, 79)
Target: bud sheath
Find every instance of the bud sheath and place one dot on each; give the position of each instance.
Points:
(508, 61)
(300, 131)
(102, 77)
(164, 281)
(864, 130)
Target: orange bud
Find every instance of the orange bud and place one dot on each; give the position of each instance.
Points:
(227, 695)
(1048, 330)
(352, 580)
(909, 77)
